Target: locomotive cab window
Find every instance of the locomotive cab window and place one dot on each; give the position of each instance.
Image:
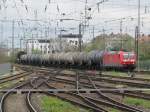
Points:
(131, 55)
(125, 56)
(128, 56)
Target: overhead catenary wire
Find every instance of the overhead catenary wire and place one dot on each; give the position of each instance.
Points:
(93, 6)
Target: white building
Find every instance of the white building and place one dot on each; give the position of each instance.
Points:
(73, 41)
(44, 46)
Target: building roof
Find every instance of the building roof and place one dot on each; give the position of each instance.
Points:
(43, 41)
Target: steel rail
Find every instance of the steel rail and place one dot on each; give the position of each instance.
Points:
(94, 102)
(101, 74)
(136, 93)
(10, 78)
(2, 109)
(29, 104)
(88, 104)
(122, 105)
(122, 80)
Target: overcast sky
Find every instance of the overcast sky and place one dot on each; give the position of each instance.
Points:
(107, 16)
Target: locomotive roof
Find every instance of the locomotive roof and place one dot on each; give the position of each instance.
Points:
(117, 52)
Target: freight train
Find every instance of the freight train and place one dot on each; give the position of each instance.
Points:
(119, 60)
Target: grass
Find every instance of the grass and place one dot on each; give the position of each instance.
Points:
(137, 102)
(115, 73)
(113, 110)
(123, 74)
(8, 84)
(53, 104)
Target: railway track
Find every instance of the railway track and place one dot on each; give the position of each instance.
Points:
(116, 80)
(29, 103)
(107, 89)
(110, 102)
(121, 105)
(35, 84)
(127, 78)
(5, 96)
(97, 103)
(129, 83)
(101, 73)
(143, 71)
(14, 77)
(79, 100)
(127, 93)
(133, 82)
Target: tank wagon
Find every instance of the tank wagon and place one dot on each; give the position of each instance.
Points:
(90, 60)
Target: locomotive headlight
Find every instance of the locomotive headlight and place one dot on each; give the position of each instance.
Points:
(125, 60)
(132, 60)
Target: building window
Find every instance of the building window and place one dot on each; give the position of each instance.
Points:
(71, 41)
(76, 42)
(53, 51)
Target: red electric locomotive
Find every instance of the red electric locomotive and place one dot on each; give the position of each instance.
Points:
(119, 60)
